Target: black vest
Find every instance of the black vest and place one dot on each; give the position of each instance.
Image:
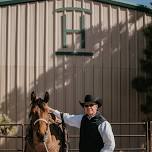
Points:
(90, 138)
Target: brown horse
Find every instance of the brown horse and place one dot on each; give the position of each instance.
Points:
(44, 134)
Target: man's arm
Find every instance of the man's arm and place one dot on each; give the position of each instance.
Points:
(71, 120)
(107, 136)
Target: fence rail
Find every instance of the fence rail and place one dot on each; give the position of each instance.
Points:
(145, 135)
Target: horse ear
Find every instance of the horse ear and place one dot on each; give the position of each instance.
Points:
(33, 96)
(46, 97)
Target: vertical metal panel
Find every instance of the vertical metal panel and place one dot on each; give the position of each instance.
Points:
(59, 61)
(133, 62)
(31, 64)
(31, 33)
(133, 105)
(107, 61)
(97, 26)
(115, 53)
(69, 65)
(124, 71)
(88, 67)
(140, 47)
(50, 40)
(115, 70)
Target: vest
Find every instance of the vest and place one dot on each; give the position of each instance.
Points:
(90, 138)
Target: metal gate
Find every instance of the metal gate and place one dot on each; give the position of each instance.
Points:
(145, 136)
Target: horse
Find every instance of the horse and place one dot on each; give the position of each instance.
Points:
(44, 133)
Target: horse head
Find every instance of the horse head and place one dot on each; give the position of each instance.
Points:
(39, 116)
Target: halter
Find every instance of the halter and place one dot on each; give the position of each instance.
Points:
(41, 119)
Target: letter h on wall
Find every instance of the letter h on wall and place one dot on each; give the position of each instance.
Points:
(66, 31)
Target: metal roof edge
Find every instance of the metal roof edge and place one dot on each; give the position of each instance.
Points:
(141, 8)
(14, 2)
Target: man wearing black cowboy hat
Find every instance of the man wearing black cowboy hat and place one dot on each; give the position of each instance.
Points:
(95, 131)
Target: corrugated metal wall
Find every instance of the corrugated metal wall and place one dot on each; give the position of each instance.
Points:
(31, 33)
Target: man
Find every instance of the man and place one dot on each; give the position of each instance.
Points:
(95, 131)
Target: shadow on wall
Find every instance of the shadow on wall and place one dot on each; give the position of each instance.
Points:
(110, 71)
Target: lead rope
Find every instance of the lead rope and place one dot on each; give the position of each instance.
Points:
(45, 147)
(65, 139)
(44, 141)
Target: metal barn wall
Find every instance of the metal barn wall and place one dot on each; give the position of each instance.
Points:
(31, 33)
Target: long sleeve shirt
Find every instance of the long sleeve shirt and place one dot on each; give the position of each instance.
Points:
(104, 129)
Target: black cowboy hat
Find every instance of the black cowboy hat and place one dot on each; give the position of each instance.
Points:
(89, 99)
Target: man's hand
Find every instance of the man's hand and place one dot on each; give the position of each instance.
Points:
(51, 110)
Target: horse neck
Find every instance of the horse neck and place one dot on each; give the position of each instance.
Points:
(53, 143)
(49, 137)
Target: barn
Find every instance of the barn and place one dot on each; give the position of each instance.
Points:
(71, 48)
